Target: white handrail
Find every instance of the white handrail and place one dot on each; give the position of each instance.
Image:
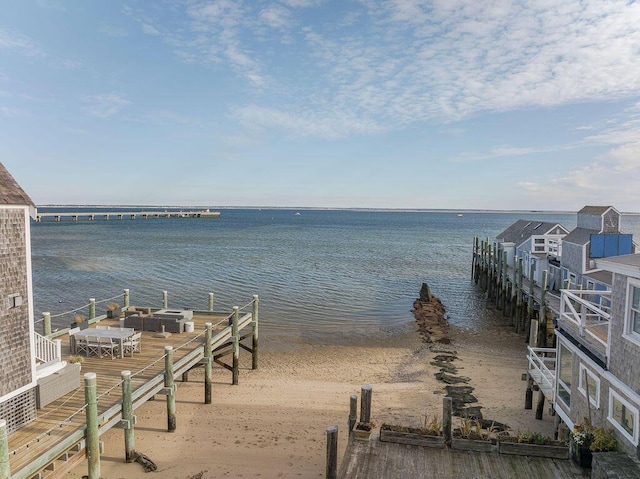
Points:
(46, 349)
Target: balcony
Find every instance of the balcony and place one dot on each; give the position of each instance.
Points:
(585, 315)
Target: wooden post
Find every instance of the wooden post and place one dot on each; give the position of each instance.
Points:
(353, 413)
(165, 299)
(447, 413)
(473, 257)
(519, 306)
(91, 412)
(332, 452)
(170, 388)
(128, 419)
(540, 406)
(211, 301)
(46, 323)
(505, 280)
(236, 346)
(5, 469)
(125, 299)
(365, 404)
(254, 345)
(208, 369)
(542, 324)
(92, 308)
(528, 395)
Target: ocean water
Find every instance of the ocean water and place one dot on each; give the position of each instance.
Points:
(318, 272)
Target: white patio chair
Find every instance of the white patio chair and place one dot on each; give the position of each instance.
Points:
(93, 346)
(133, 344)
(107, 346)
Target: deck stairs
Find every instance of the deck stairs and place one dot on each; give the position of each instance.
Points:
(63, 464)
(48, 352)
(542, 369)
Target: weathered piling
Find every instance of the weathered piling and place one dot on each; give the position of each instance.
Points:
(254, 337)
(92, 308)
(128, 419)
(365, 404)
(211, 302)
(46, 323)
(447, 413)
(236, 347)
(208, 363)
(91, 413)
(332, 452)
(169, 388)
(125, 299)
(165, 299)
(353, 413)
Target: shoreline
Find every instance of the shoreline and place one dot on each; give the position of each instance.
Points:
(273, 424)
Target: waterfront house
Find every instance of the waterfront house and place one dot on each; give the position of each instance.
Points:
(18, 372)
(598, 354)
(537, 243)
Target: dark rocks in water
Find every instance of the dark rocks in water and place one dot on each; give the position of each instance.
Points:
(425, 293)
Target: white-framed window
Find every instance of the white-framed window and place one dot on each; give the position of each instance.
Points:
(589, 385)
(623, 415)
(565, 374)
(632, 314)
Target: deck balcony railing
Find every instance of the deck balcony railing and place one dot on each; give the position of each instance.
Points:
(589, 311)
(542, 369)
(47, 351)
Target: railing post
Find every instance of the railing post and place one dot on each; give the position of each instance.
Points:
(365, 404)
(353, 413)
(46, 323)
(236, 346)
(208, 370)
(254, 345)
(58, 346)
(447, 412)
(170, 388)
(5, 469)
(125, 299)
(332, 452)
(128, 419)
(91, 411)
(211, 301)
(92, 308)
(165, 300)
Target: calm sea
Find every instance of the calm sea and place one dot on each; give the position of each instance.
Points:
(316, 272)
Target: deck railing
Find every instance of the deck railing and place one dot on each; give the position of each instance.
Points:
(47, 350)
(542, 368)
(587, 310)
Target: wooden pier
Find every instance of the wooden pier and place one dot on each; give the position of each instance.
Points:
(57, 440)
(92, 215)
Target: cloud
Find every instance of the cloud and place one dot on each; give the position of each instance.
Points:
(149, 29)
(113, 31)
(104, 105)
(10, 112)
(20, 43)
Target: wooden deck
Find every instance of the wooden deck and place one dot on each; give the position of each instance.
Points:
(383, 460)
(65, 417)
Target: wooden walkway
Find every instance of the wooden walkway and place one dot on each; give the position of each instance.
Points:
(63, 421)
(384, 460)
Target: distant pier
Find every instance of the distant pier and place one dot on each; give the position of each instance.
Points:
(92, 215)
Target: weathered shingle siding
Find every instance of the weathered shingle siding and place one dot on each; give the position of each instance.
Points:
(572, 257)
(624, 360)
(590, 221)
(611, 223)
(14, 323)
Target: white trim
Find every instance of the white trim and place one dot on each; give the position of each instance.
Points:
(559, 382)
(634, 410)
(594, 401)
(628, 332)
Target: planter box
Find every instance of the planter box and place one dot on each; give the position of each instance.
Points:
(534, 450)
(361, 435)
(412, 438)
(475, 445)
(111, 314)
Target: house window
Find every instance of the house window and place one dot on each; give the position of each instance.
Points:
(632, 318)
(565, 374)
(624, 416)
(589, 385)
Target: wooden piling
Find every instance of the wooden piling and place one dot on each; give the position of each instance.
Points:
(254, 337)
(528, 395)
(447, 413)
(128, 419)
(474, 258)
(169, 386)
(353, 413)
(365, 404)
(91, 412)
(236, 346)
(540, 406)
(519, 306)
(332, 452)
(125, 299)
(92, 308)
(542, 315)
(208, 366)
(5, 468)
(211, 301)
(46, 323)
(530, 311)
(165, 299)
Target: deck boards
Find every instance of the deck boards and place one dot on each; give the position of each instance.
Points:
(383, 460)
(53, 421)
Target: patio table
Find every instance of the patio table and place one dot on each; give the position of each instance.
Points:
(117, 334)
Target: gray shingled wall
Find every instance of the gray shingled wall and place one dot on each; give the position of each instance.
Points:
(14, 324)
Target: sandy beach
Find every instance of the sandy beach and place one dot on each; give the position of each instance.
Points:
(272, 425)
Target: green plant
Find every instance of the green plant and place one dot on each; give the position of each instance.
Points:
(76, 359)
(470, 429)
(530, 437)
(597, 439)
(432, 426)
(112, 306)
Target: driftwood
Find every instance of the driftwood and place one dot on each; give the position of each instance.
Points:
(147, 464)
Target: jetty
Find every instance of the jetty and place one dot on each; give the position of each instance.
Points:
(105, 215)
(66, 431)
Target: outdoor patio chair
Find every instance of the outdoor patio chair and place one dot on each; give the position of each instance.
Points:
(93, 346)
(72, 340)
(107, 346)
(133, 344)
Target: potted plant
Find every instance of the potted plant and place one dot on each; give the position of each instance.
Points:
(430, 435)
(79, 321)
(362, 430)
(113, 310)
(587, 439)
(76, 360)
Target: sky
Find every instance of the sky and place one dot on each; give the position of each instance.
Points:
(531, 105)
